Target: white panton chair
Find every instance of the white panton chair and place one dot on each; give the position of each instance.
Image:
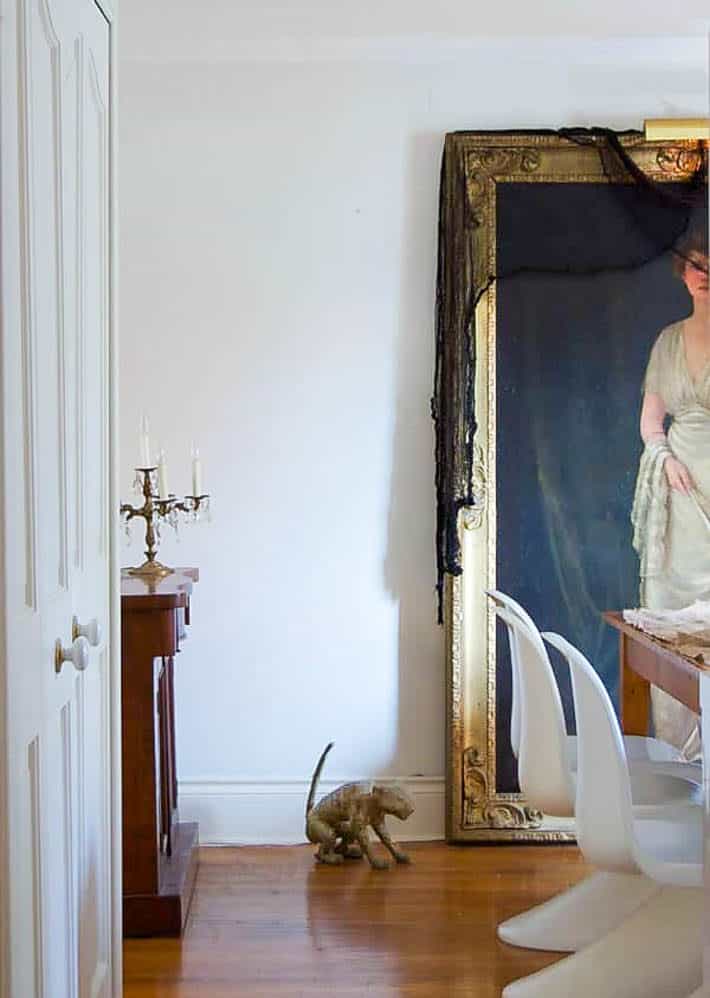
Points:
(638, 747)
(586, 911)
(657, 951)
(654, 953)
(544, 765)
(665, 844)
(547, 754)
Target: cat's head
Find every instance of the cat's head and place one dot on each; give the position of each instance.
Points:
(393, 800)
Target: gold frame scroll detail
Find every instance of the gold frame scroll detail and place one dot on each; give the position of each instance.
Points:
(475, 810)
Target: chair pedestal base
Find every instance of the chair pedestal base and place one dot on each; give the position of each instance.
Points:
(579, 916)
(655, 953)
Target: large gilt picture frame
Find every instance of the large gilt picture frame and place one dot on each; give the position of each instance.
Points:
(476, 809)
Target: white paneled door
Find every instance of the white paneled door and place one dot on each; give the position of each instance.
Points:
(56, 329)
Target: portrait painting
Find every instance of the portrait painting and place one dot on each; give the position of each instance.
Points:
(573, 424)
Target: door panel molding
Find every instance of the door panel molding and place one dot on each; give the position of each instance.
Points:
(101, 111)
(69, 823)
(80, 343)
(46, 210)
(27, 326)
(33, 764)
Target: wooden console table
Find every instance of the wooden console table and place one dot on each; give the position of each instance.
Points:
(159, 851)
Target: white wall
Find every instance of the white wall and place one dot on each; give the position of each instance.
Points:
(278, 255)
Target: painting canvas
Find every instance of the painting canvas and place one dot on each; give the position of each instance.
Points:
(560, 374)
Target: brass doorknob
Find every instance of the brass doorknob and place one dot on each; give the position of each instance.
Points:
(90, 631)
(78, 654)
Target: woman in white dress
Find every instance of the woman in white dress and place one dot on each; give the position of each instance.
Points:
(671, 514)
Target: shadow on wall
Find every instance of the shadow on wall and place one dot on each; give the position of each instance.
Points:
(410, 570)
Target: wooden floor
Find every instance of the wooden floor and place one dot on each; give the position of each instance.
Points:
(269, 922)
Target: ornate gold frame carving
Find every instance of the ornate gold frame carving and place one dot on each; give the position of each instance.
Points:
(475, 811)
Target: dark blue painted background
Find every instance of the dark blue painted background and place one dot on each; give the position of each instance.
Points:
(571, 355)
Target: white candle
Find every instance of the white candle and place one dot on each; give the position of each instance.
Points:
(162, 476)
(144, 444)
(196, 472)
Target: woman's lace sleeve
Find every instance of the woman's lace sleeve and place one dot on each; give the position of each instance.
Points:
(653, 382)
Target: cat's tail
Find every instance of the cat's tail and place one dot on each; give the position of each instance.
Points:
(316, 778)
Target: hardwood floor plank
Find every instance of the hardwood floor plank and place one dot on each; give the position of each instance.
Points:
(267, 922)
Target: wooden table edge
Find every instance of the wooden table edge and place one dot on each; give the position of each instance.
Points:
(615, 619)
(643, 661)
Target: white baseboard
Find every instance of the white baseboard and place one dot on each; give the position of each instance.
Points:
(272, 813)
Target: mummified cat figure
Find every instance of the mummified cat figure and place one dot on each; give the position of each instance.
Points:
(339, 823)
